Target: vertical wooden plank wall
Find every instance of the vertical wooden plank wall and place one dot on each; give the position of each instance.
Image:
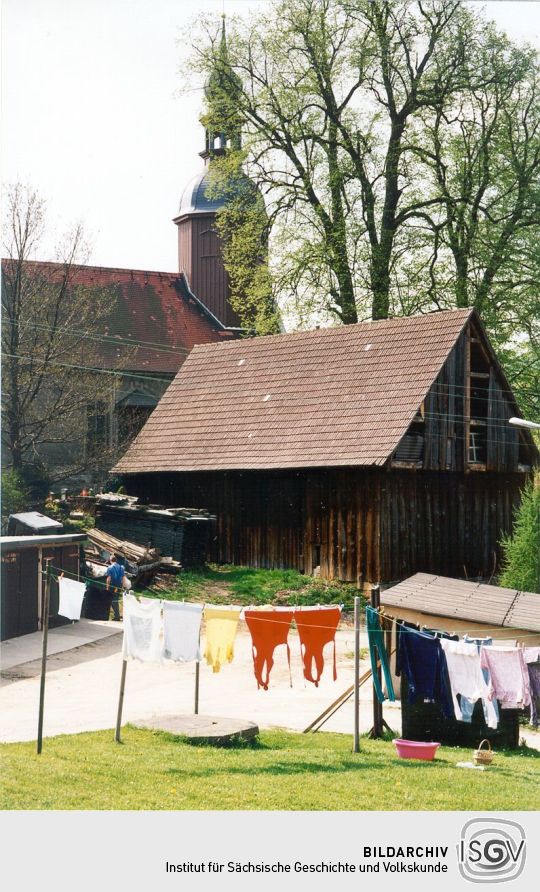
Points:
(362, 525)
(502, 438)
(444, 413)
(200, 258)
(445, 523)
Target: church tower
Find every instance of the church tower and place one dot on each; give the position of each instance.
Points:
(199, 246)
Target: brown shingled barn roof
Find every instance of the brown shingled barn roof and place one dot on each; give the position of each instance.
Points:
(148, 310)
(323, 398)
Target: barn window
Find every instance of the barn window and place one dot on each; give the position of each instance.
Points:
(98, 427)
(477, 445)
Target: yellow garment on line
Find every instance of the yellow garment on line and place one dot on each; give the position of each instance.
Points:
(221, 626)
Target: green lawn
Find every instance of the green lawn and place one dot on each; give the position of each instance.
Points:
(248, 586)
(151, 770)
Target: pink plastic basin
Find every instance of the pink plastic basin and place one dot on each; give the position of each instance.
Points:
(416, 749)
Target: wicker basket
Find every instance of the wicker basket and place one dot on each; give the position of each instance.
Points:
(483, 757)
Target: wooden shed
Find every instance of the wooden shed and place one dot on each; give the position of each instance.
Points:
(22, 559)
(372, 451)
(469, 608)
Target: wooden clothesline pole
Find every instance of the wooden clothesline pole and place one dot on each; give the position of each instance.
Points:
(197, 684)
(120, 702)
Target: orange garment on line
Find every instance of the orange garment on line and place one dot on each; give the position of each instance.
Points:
(268, 629)
(316, 628)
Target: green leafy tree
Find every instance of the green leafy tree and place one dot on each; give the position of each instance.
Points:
(14, 496)
(521, 569)
(397, 145)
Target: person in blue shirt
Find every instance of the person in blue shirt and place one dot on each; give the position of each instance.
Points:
(115, 574)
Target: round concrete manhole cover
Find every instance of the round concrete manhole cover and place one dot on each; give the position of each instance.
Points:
(214, 729)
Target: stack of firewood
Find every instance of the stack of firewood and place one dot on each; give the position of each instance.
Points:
(145, 560)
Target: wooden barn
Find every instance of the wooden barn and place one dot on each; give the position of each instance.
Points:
(372, 451)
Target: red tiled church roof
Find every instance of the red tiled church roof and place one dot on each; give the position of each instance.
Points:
(152, 314)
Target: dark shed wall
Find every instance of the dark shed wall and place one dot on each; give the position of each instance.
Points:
(360, 525)
(502, 438)
(19, 602)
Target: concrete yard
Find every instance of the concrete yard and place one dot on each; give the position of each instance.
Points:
(83, 684)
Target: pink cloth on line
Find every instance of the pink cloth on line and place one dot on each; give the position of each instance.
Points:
(509, 678)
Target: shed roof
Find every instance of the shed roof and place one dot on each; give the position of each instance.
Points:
(471, 601)
(20, 543)
(34, 520)
(329, 397)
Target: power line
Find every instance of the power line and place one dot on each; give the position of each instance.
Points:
(143, 377)
(446, 388)
(140, 376)
(83, 335)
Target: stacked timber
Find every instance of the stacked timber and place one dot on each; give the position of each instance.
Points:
(135, 554)
(182, 533)
(142, 563)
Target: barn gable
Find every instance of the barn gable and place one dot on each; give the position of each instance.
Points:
(462, 424)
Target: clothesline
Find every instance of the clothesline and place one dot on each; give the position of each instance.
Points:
(454, 671)
(295, 607)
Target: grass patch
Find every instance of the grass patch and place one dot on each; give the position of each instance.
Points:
(153, 770)
(247, 586)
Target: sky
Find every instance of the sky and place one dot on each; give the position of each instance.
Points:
(94, 116)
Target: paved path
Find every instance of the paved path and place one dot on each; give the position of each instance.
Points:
(25, 648)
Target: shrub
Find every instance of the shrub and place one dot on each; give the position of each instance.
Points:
(521, 567)
(15, 496)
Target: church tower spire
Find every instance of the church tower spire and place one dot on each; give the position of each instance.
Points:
(200, 257)
(222, 93)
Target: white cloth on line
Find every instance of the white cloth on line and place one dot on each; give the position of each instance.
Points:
(182, 629)
(71, 595)
(466, 678)
(531, 654)
(143, 630)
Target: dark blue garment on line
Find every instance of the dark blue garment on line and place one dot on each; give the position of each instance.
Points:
(421, 657)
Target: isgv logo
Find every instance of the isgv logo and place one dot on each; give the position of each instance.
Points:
(491, 850)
